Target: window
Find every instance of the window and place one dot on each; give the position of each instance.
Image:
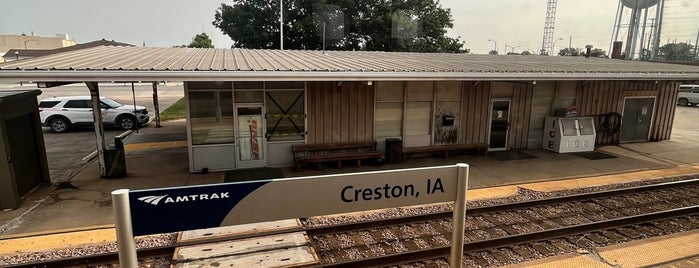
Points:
(418, 110)
(389, 109)
(248, 96)
(389, 118)
(77, 104)
(285, 115)
(418, 114)
(569, 127)
(48, 104)
(211, 117)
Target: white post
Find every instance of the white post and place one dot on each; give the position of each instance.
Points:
(124, 231)
(457, 235)
(281, 24)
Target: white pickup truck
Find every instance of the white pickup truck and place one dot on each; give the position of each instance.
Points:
(689, 95)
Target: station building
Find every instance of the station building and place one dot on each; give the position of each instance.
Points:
(246, 108)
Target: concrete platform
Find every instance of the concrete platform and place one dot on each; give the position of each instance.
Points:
(85, 203)
(663, 250)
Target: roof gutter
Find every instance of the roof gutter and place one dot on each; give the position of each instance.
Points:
(108, 76)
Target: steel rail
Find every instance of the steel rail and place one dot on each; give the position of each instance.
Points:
(439, 252)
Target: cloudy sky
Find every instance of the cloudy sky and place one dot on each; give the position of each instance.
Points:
(164, 23)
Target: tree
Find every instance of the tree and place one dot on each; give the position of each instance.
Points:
(493, 52)
(401, 25)
(569, 51)
(676, 52)
(526, 53)
(598, 53)
(201, 41)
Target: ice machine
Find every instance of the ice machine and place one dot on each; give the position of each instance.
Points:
(569, 134)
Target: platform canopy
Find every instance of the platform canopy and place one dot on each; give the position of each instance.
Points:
(120, 63)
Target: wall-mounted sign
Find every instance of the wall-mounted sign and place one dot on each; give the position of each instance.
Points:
(572, 111)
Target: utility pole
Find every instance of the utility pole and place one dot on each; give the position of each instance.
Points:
(570, 42)
(696, 45)
(281, 24)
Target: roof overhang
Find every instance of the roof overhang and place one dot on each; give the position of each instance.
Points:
(108, 76)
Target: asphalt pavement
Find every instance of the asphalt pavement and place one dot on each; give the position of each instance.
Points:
(67, 152)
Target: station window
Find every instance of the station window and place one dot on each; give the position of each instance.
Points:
(285, 115)
(389, 109)
(211, 117)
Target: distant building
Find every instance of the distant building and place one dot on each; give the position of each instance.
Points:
(19, 54)
(32, 41)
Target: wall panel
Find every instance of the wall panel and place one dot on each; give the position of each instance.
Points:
(340, 113)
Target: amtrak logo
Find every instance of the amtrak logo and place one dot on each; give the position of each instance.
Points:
(152, 199)
(155, 199)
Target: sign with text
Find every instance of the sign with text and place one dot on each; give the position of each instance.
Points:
(197, 207)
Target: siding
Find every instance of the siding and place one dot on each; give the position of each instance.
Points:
(600, 97)
(520, 112)
(475, 110)
(342, 113)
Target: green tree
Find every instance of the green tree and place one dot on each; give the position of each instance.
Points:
(598, 53)
(569, 51)
(201, 41)
(401, 25)
(676, 52)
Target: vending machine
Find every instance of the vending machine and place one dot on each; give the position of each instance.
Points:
(569, 134)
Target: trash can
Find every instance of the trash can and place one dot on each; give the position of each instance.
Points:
(115, 160)
(394, 150)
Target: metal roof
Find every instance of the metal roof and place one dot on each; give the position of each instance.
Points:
(117, 63)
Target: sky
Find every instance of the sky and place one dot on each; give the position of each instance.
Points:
(514, 24)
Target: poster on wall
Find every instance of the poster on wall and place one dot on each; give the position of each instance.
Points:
(253, 139)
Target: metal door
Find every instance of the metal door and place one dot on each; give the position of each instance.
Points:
(25, 152)
(636, 121)
(499, 124)
(250, 141)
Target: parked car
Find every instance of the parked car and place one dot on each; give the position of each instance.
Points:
(62, 113)
(689, 95)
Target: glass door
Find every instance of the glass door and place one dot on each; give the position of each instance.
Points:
(250, 140)
(499, 124)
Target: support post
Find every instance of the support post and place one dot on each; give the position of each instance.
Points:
(135, 115)
(457, 235)
(124, 231)
(658, 30)
(99, 128)
(156, 105)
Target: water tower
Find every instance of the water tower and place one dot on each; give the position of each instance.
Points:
(637, 12)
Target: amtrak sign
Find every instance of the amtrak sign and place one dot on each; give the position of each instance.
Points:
(196, 207)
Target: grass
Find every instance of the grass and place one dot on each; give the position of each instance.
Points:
(175, 111)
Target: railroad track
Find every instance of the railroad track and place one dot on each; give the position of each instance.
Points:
(495, 235)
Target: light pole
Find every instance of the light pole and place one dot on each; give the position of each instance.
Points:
(553, 48)
(496, 44)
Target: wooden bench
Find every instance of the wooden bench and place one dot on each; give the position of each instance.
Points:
(445, 149)
(334, 152)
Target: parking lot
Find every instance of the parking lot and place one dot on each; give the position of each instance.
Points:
(66, 151)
